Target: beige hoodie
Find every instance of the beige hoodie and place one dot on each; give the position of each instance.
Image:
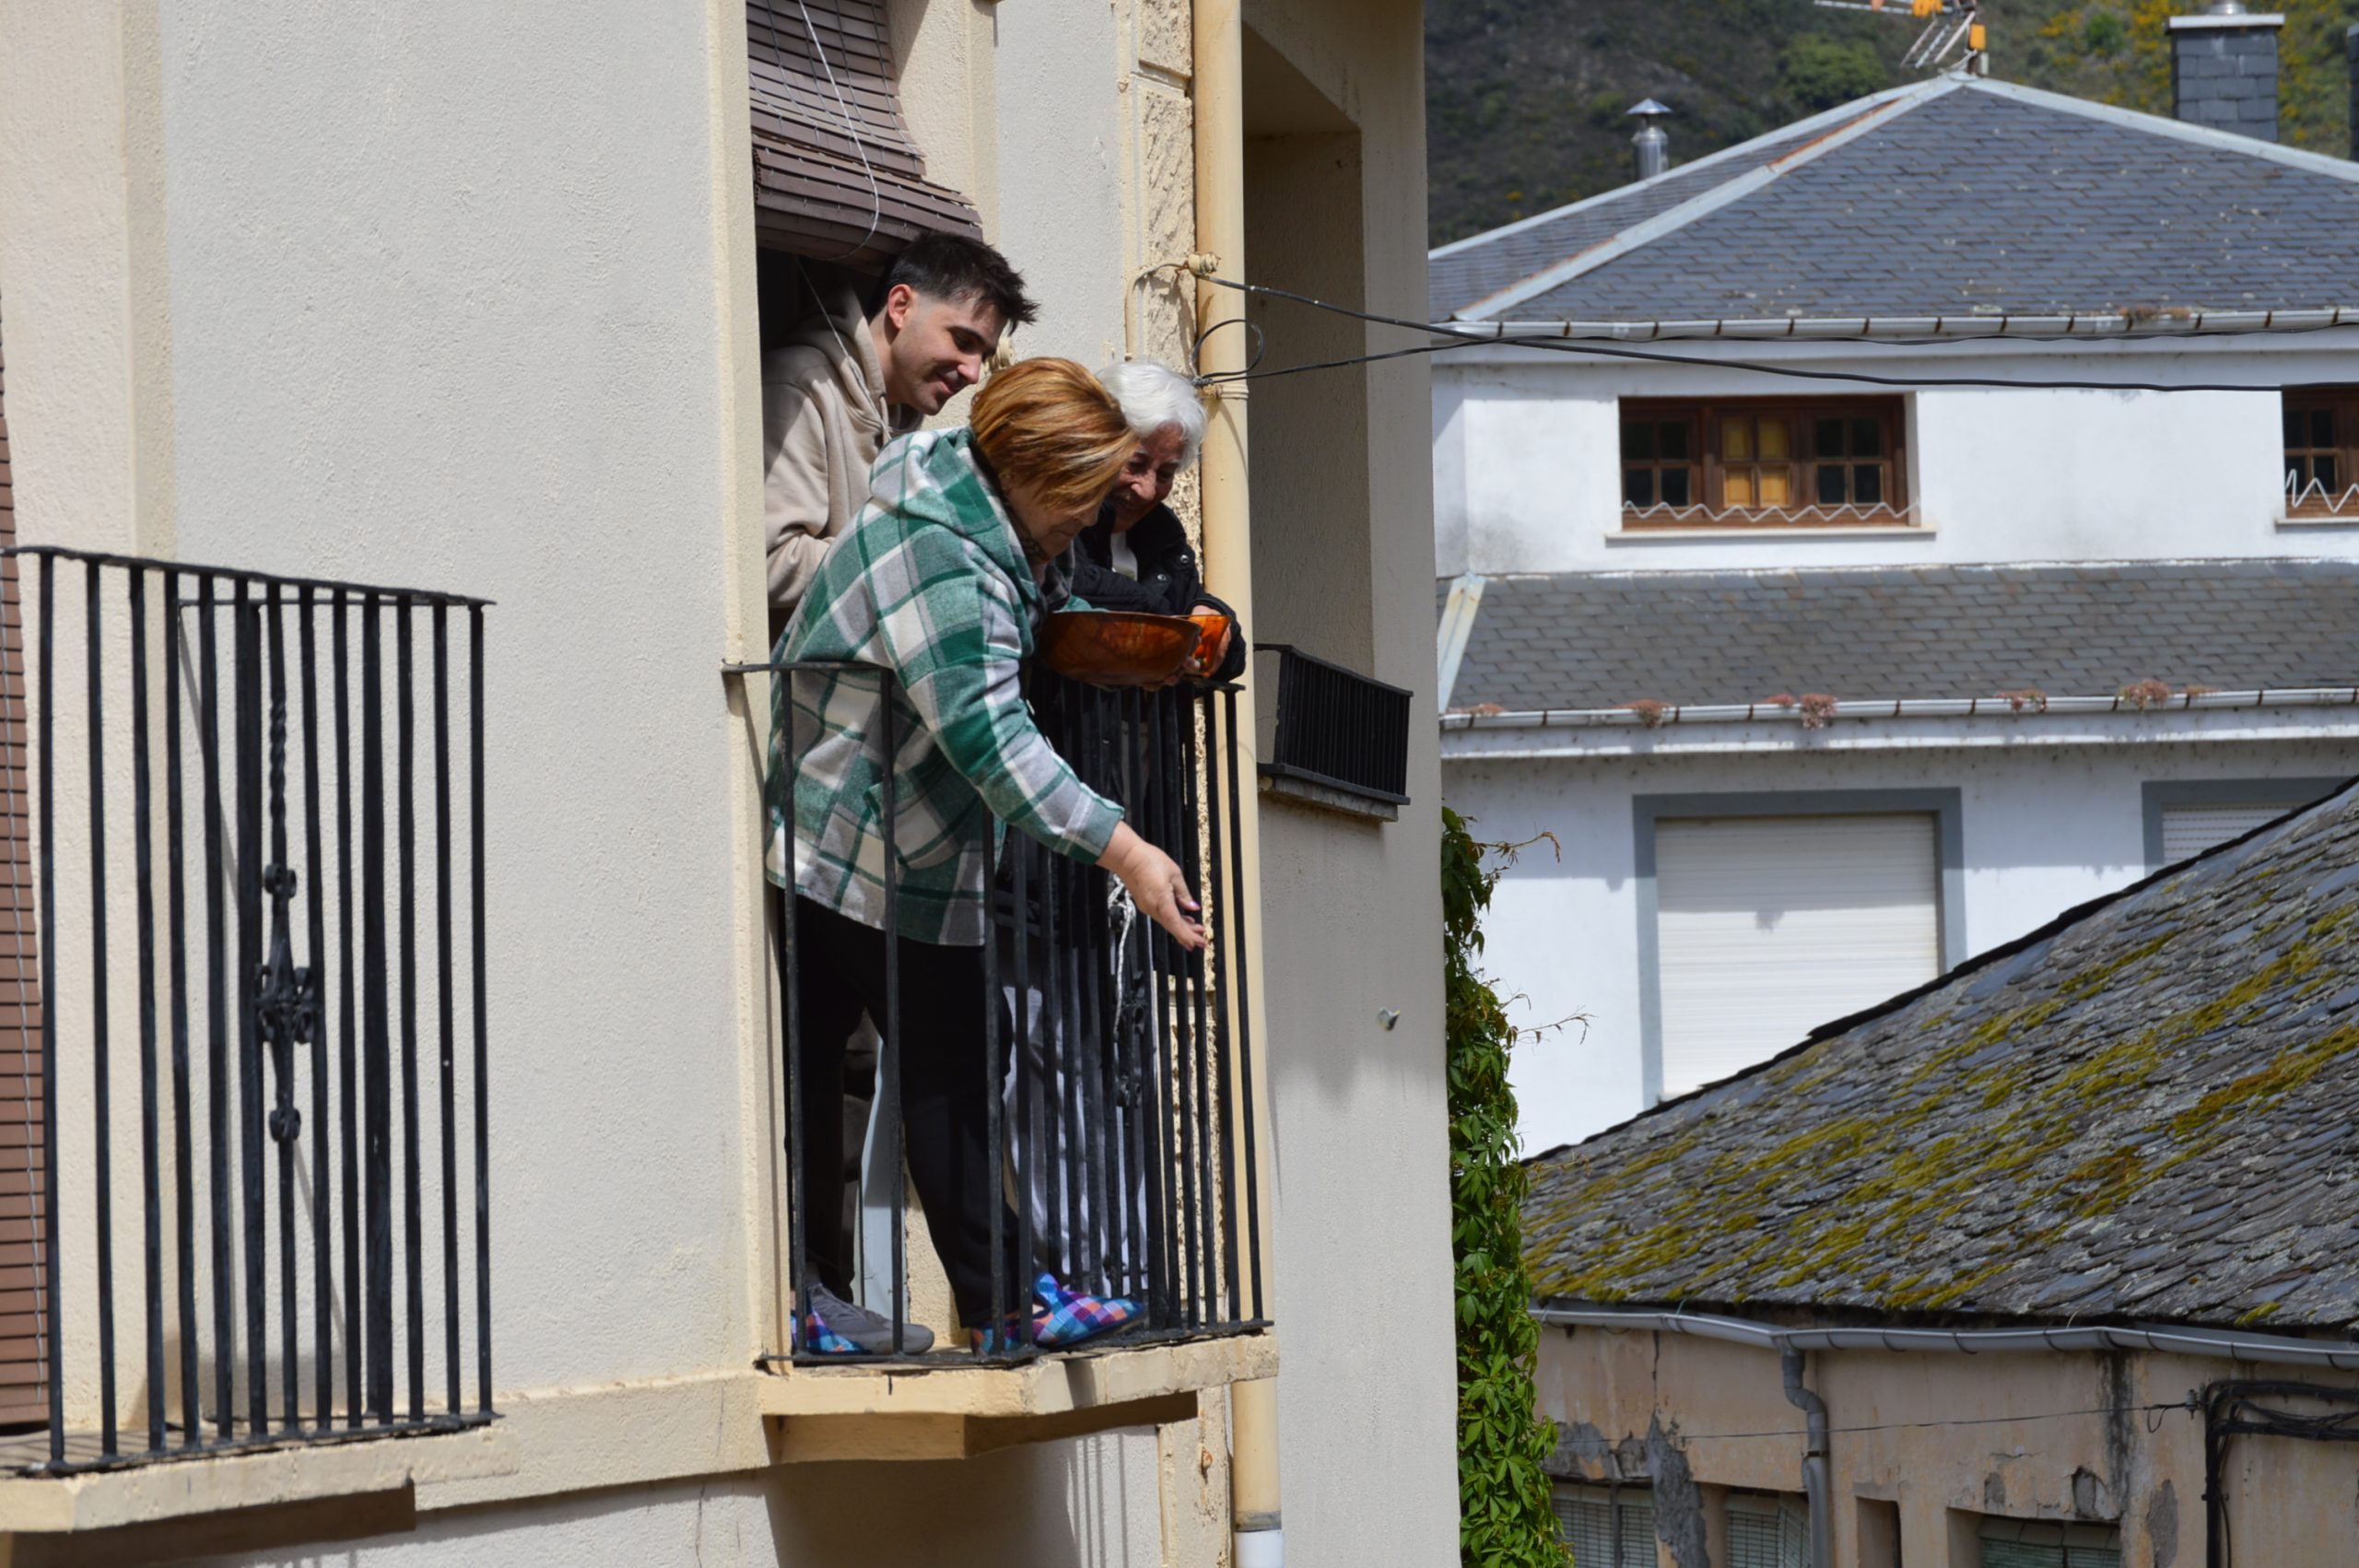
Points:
(823, 420)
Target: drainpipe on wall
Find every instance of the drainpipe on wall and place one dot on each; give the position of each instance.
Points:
(1815, 1467)
(1219, 71)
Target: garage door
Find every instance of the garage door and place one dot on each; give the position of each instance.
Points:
(1767, 927)
(2190, 830)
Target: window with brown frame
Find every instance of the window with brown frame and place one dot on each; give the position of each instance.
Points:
(1747, 462)
(2322, 451)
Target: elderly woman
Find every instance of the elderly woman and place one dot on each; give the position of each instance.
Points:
(1136, 555)
(941, 582)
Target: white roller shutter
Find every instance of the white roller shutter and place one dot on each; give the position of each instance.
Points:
(2190, 830)
(1767, 927)
(1767, 1531)
(1606, 1527)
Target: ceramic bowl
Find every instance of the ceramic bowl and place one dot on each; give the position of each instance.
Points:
(1117, 647)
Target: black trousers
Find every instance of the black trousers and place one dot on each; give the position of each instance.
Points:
(945, 1097)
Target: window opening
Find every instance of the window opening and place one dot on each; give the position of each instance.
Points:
(2028, 1543)
(1607, 1526)
(1751, 462)
(2322, 452)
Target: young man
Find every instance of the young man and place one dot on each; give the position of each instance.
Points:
(846, 383)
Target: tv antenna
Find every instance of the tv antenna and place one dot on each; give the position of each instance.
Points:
(1953, 32)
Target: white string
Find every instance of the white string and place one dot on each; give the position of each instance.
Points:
(1864, 513)
(2313, 491)
(876, 196)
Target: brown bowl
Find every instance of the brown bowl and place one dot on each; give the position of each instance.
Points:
(1117, 647)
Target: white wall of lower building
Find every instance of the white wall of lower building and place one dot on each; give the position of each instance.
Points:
(2045, 827)
(1526, 472)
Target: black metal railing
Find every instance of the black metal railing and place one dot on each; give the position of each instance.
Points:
(1116, 1066)
(1336, 728)
(264, 1033)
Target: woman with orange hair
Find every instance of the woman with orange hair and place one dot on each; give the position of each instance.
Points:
(941, 583)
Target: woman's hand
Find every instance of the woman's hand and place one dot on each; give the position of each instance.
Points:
(1208, 658)
(1155, 884)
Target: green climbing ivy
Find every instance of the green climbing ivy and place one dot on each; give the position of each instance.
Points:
(1504, 1520)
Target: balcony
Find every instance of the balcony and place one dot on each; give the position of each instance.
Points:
(1122, 1110)
(248, 1045)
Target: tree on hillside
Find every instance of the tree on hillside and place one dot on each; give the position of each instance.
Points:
(1818, 72)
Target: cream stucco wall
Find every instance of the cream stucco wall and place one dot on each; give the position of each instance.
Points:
(465, 300)
(1350, 910)
(1949, 1439)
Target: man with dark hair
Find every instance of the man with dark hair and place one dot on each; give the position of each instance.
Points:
(846, 381)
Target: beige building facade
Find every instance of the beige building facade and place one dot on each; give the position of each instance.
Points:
(1943, 1457)
(468, 297)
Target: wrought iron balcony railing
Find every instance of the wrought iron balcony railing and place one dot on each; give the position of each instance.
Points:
(1335, 728)
(1117, 1068)
(258, 1185)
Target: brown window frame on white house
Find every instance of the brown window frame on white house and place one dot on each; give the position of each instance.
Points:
(2321, 431)
(1765, 462)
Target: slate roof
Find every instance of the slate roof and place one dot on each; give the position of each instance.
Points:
(1956, 196)
(1459, 275)
(2149, 1109)
(1605, 640)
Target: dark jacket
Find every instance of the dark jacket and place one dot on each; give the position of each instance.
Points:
(1169, 581)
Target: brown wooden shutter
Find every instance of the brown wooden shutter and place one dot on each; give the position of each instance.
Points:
(23, 1394)
(836, 176)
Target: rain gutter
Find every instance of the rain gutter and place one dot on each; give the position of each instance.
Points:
(2128, 326)
(2024, 706)
(2229, 1344)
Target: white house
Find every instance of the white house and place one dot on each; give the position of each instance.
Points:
(1860, 545)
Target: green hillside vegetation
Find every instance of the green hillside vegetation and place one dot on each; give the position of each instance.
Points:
(1526, 99)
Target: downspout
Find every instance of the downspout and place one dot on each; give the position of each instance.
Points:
(1219, 84)
(1815, 1467)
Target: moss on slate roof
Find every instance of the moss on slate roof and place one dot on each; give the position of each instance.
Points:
(2149, 1109)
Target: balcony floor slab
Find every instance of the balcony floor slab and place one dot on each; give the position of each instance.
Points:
(178, 1488)
(911, 1410)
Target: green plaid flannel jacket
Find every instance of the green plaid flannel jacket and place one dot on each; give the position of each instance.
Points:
(928, 583)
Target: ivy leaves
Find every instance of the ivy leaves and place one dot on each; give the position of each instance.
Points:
(1504, 1517)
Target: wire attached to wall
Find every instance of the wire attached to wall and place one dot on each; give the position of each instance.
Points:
(852, 126)
(1449, 341)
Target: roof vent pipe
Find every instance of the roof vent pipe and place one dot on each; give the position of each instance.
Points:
(1652, 143)
(2223, 69)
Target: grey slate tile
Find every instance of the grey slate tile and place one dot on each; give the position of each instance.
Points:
(1597, 641)
(2122, 1115)
(1970, 198)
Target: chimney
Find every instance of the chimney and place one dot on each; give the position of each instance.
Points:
(2223, 69)
(1652, 144)
(2350, 53)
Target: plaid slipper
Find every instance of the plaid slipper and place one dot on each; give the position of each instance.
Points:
(818, 1339)
(1006, 1340)
(1070, 1317)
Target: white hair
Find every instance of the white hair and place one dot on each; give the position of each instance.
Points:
(1156, 397)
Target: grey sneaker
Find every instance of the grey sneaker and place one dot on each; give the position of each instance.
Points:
(865, 1329)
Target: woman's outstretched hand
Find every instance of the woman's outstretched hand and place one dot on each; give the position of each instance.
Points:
(1155, 884)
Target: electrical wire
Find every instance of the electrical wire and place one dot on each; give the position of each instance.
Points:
(1615, 351)
(852, 126)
